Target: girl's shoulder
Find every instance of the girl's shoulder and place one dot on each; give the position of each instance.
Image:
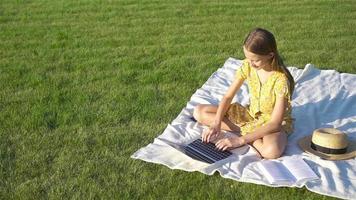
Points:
(244, 71)
(245, 64)
(280, 76)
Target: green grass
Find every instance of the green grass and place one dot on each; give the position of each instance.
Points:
(84, 84)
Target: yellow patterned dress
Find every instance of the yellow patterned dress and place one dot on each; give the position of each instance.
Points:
(262, 100)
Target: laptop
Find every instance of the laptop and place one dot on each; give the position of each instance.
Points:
(205, 152)
(199, 150)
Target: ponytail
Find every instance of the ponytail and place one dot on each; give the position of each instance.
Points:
(277, 64)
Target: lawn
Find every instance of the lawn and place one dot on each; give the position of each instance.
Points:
(86, 83)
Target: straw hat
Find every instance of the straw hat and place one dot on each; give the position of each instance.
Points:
(329, 144)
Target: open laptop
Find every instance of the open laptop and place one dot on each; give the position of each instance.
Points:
(198, 150)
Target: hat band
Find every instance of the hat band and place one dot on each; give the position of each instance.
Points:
(327, 150)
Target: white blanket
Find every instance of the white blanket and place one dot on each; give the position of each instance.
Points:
(322, 98)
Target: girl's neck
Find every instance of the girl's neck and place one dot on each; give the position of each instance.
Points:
(264, 75)
(267, 69)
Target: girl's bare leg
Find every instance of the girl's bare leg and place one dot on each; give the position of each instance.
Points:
(271, 146)
(205, 114)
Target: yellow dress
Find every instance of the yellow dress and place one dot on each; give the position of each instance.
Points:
(262, 100)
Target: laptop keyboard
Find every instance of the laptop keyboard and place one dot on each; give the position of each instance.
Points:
(205, 152)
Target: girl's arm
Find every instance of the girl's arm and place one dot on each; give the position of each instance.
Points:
(226, 100)
(222, 109)
(273, 126)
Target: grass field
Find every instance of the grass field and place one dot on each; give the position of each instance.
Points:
(86, 83)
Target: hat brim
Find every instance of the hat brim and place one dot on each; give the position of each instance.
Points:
(305, 142)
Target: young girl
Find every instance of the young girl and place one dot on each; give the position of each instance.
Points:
(266, 122)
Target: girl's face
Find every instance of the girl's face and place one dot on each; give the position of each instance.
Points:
(258, 61)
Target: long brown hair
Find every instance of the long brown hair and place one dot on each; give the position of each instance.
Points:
(262, 42)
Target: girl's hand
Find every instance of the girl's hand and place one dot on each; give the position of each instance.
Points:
(212, 132)
(232, 142)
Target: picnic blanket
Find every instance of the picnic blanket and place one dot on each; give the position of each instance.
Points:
(322, 98)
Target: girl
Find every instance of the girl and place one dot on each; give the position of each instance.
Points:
(265, 123)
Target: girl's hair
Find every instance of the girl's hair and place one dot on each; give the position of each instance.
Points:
(262, 42)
